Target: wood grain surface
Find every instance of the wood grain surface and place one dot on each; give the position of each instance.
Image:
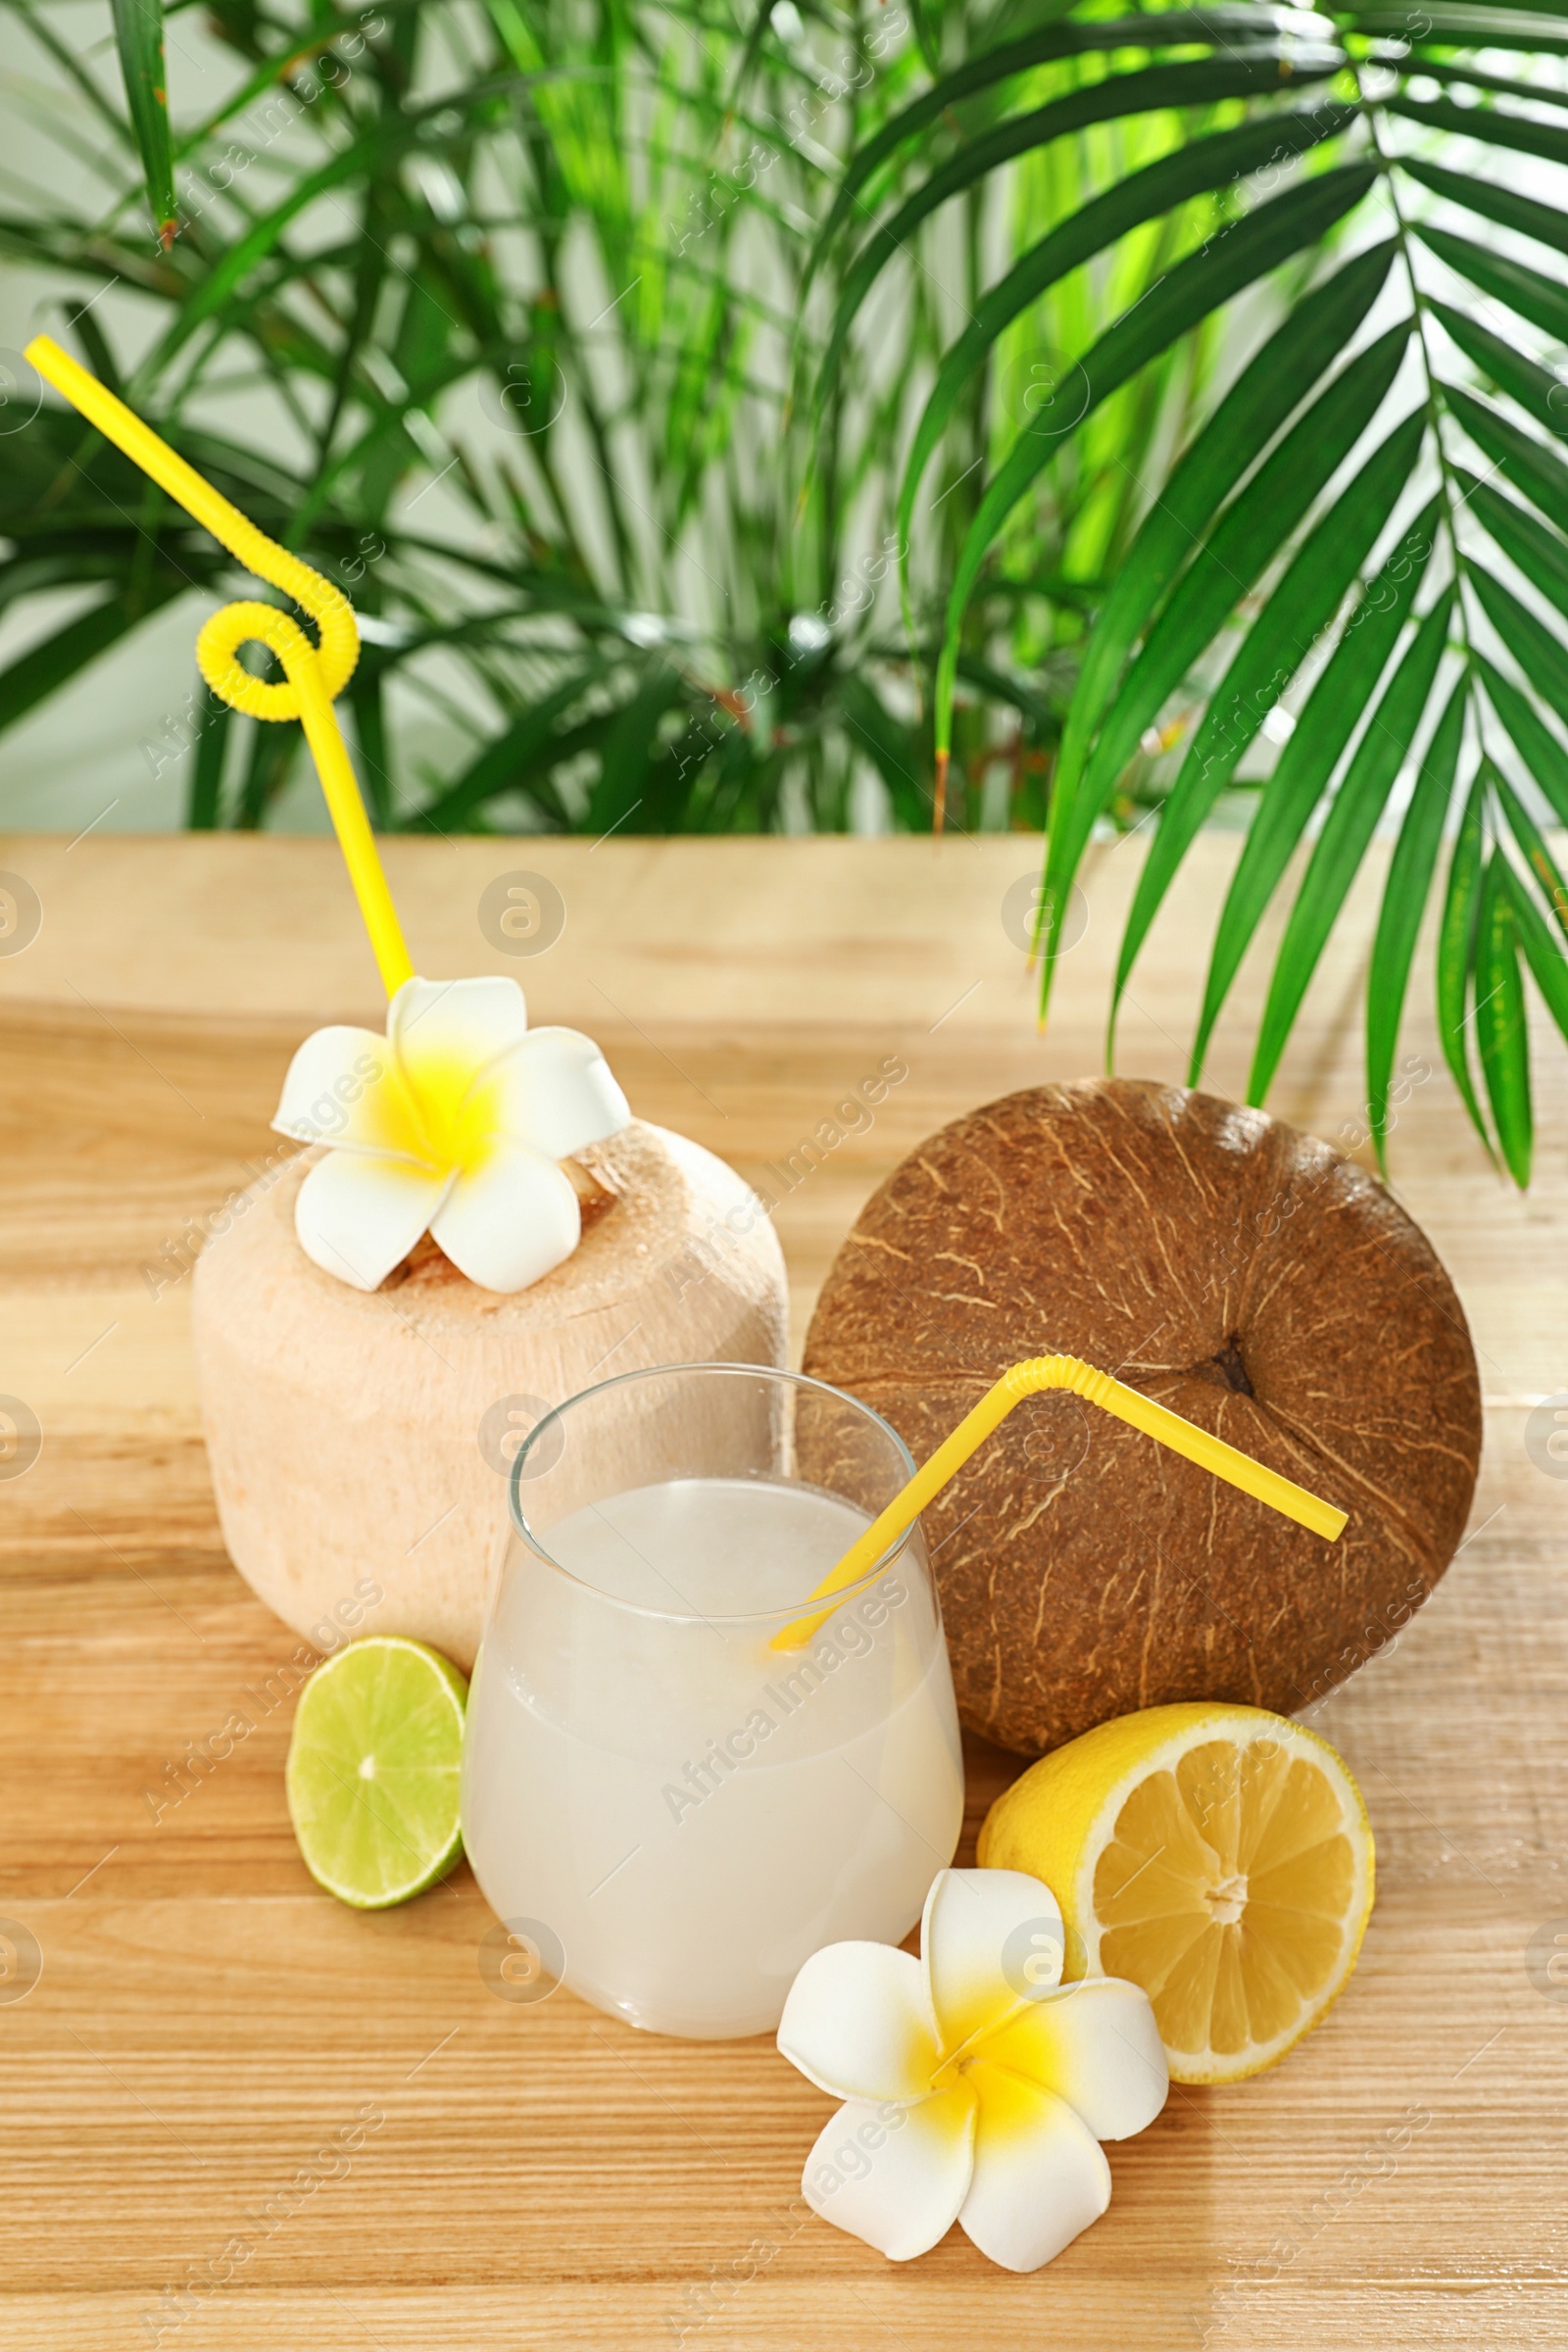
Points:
(239, 2116)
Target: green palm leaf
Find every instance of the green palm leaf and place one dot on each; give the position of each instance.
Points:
(1343, 842)
(629, 753)
(1303, 771)
(1511, 369)
(1537, 652)
(1532, 845)
(1491, 124)
(1539, 473)
(1245, 420)
(1487, 23)
(536, 742)
(1543, 952)
(1499, 1019)
(1197, 285)
(1540, 554)
(139, 39)
(1538, 299)
(1456, 938)
(36, 675)
(1121, 97)
(1244, 540)
(892, 746)
(1279, 640)
(1172, 28)
(1205, 164)
(1405, 898)
(1533, 739)
(1503, 205)
(202, 797)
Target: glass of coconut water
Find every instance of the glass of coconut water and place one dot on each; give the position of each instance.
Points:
(670, 1810)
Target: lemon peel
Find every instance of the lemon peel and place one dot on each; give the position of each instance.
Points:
(1219, 1856)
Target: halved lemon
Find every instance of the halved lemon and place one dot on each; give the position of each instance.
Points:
(1218, 1856)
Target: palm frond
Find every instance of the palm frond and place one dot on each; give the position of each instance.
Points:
(1282, 582)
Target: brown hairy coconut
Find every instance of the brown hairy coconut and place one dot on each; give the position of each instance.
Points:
(1242, 1274)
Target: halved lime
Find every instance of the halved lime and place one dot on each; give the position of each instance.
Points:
(374, 1770)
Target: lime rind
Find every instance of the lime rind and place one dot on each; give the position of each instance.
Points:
(374, 1769)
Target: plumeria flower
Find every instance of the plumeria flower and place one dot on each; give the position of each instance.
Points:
(977, 2086)
(454, 1123)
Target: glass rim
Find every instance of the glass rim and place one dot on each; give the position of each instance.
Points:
(791, 1610)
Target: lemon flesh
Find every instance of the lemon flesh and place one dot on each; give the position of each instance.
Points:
(1218, 1856)
(374, 1765)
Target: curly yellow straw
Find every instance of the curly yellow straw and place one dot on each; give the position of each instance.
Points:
(1029, 1379)
(316, 676)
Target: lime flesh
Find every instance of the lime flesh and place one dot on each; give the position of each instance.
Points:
(374, 1771)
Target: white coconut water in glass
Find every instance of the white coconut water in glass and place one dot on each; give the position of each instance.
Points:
(670, 1810)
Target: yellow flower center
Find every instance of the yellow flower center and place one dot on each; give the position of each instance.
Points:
(453, 1119)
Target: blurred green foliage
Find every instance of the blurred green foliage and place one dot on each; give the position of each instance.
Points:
(518, 291)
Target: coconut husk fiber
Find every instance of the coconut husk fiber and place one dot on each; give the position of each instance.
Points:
(1242, 1274)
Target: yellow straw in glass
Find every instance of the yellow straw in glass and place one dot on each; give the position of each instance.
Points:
(316, 676)
(1029, 1379)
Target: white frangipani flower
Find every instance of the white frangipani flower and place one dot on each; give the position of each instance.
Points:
(977, 2086)
(454, 1123)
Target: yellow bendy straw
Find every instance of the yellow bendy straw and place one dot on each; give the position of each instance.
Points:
(1029, 1379)
(316, 676)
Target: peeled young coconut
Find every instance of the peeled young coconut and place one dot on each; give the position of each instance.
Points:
(360, 1441)
(1239, 1272)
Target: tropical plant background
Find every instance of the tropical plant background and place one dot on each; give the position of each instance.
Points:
(511, 295)
(999, 414)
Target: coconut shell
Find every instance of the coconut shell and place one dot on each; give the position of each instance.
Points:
(360, 1442)
(1242, 1274)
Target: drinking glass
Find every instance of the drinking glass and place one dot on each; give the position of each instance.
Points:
(670, 1805)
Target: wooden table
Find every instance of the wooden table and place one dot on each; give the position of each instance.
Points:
(206, 2021)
